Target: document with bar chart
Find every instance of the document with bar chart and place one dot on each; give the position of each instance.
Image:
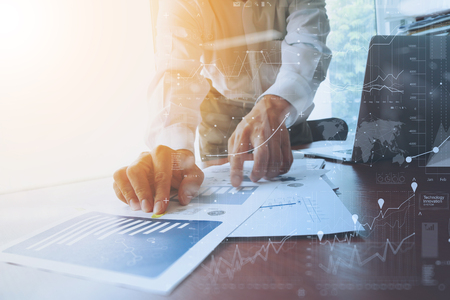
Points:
(132, 245)
(130, 248)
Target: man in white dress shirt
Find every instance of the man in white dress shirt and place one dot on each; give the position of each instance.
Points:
(245, 74)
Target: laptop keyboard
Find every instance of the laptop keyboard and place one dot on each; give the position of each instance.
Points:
(346, 151)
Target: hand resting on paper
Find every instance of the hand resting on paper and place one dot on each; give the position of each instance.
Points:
(146, 183)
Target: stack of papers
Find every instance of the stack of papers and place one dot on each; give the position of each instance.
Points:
(156, 253)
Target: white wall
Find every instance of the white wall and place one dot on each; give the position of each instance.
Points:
(73, 84)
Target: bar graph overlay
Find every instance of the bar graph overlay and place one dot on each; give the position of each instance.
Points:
(137, 246)
(222, 195)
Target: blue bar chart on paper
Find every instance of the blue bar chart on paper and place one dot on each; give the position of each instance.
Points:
(137, 246)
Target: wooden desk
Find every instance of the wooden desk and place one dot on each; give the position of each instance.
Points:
(295, 267)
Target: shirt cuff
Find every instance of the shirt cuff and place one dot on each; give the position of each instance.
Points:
(295, 90)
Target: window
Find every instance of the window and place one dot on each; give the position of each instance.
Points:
(352, 26)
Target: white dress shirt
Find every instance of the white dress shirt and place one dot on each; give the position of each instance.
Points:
(244, 49)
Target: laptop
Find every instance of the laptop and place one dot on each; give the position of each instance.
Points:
(404, 104)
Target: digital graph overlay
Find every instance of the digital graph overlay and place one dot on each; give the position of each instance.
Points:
(388, 82)
(382, 219)
(390, 233)
(220, 267)
(335, 263)
(440, 154)
(405, 86)
(137, 246)
(438, 140)
(248, 65)
(256, 147)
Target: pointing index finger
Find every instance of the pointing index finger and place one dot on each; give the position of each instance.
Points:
(237, 158)
(162, 161)
(140, 175)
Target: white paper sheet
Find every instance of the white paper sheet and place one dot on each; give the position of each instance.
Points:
(305, 204)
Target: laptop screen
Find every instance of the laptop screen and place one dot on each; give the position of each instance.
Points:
(405, 110)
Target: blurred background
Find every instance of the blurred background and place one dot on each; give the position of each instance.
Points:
(73, 85)
(74, 76)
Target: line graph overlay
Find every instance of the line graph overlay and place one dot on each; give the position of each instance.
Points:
(393, 87)
(334, 264)
(441, 150)
(227, 268)
(384, 252)
(367, 87)
(402, 207)
(259, 146)
(440, 156)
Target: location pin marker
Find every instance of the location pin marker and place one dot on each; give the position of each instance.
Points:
(320, 235)
(380, 202)
(414, 186)
(355, 218)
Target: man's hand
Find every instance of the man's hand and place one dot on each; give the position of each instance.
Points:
(258, 132)
(146, 183)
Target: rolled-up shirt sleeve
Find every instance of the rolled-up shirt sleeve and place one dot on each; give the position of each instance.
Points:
(305, 56)
(178, 88)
